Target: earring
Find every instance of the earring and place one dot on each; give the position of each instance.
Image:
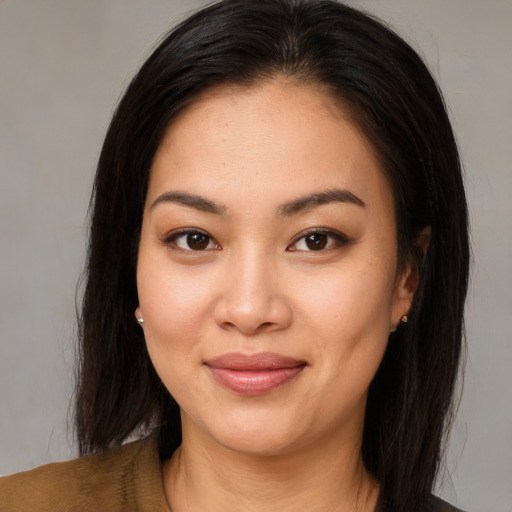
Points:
(140, 319)
(403, 320)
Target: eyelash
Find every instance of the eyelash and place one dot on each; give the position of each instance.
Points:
(337, 239)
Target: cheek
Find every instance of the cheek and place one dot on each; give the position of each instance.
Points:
(350, 301)
(173, 299)
(350, 313)
(349, 316)
(175, 308)
(175, 304)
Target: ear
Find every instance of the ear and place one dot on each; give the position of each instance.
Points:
(408, 280)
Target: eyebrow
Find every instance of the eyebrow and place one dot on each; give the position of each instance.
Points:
(190, 200)
(296, 206)
(318, 199)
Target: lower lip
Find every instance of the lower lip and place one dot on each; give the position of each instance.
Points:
(254, 382)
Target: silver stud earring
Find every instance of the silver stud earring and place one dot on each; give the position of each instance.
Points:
(140, 319)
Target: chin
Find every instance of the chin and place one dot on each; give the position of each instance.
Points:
(251, 433)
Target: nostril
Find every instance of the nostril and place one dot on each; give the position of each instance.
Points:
(265, 326)
(252, 316)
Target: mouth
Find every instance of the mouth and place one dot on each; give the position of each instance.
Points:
(254, 374)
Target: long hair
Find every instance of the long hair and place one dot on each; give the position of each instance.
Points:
(399, 108)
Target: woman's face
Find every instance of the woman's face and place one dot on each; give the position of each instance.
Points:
(267, 268)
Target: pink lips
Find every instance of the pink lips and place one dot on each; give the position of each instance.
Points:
(254, 374)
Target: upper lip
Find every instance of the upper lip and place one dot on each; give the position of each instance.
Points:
(260, 361)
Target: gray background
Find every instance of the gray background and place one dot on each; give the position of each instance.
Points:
(64, 64)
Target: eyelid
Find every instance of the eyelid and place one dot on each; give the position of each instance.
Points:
(339, 237)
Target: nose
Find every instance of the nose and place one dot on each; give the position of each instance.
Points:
(252, 299)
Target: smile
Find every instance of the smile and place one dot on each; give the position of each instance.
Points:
(254, 374)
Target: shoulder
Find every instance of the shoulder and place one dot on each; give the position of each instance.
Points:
(124, 478)
(435, 504)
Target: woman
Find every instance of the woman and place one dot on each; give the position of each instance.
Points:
(276, 279)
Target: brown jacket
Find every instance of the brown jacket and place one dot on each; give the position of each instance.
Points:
(122, 479)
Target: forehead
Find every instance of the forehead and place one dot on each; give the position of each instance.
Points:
(275, 139)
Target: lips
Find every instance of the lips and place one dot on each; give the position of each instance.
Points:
(254, 374)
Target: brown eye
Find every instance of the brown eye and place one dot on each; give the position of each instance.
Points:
(198, 241)
(316, 241)
(191, 240)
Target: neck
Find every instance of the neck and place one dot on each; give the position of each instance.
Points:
(203, 475)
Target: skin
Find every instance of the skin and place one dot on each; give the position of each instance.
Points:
(258, 287)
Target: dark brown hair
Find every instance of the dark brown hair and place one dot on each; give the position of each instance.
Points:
(398, 106)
